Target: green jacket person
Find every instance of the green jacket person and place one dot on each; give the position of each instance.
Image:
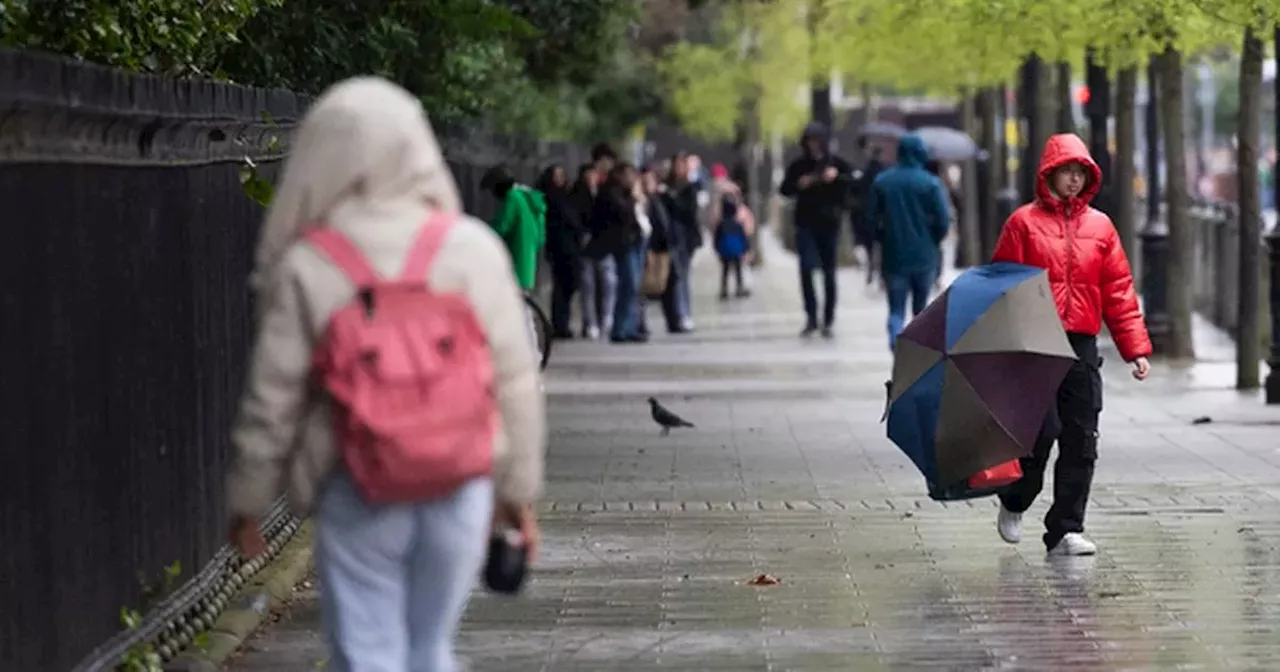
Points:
(520, 221)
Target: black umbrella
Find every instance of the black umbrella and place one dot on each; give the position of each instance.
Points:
(882, 129)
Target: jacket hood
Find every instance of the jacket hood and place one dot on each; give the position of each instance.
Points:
(363, 154)
(912, 151)
(1060, 150)
(815, 131)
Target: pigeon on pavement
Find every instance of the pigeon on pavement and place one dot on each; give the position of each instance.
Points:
(666, 419)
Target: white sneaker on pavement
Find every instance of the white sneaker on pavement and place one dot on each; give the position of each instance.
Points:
(1009, 524)
(1074, 543)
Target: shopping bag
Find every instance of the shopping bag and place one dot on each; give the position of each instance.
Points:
(657, 268)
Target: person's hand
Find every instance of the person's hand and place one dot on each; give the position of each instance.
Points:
(830, 174)
(522, 518)
(246, 536)
(1141, 368)
(805, 181)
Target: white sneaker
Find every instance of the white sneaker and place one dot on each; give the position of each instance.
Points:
(1074, 543)
(1009, 524)
(593, 333)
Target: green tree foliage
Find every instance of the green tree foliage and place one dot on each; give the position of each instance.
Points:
(557, 68)
(172, 37)
(936, 46)
(457, 55)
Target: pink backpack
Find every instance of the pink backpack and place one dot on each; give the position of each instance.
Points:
(410, 375)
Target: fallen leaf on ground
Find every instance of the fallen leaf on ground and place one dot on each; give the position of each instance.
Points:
(764, 580)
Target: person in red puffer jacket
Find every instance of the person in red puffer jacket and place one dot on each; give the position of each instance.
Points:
(1092, 284)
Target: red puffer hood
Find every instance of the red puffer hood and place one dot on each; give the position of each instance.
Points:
(1060, 150)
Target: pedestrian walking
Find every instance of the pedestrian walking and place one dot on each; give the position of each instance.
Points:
(599, 281)
(565, 233)
(681, 199)
(666, 249)
(1092, 285)
(368, 201)
(616, 232)
(643, 257)
(520, 220)
(819, 182)
(864, 235)
(734, 224)
(908, 208)
(936, 169)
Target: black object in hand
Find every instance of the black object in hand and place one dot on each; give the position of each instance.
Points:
(508, 562)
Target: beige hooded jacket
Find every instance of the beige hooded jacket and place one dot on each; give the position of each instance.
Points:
(365, 161)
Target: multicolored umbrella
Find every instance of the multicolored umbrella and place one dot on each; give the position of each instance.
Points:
(974, 375)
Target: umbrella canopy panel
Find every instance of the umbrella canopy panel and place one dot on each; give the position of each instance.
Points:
(947, 144)
(975, 373)
(882, 129)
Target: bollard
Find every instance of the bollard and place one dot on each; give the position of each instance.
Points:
(1272, 384)
(1155, 268)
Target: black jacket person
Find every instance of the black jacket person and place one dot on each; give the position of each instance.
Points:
(820, 183)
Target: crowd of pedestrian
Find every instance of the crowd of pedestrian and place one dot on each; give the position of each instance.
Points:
(622, 235)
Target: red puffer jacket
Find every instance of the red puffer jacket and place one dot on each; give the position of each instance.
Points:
(1079, 247)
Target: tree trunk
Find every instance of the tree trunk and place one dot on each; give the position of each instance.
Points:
(969, 241)
(748, 152)
(1151, 115)
(1035, 104)
(1249, 331)
(1125, 215)
(1181, 238)
(989, 218)
(820, 93)
(1006, 111)
(1065, 121)
(1098, 112)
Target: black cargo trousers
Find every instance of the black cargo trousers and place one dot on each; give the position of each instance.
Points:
(1073, 423)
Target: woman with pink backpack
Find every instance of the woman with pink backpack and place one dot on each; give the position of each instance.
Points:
(391, 385)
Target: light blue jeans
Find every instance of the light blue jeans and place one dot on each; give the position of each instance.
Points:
(630, 263)
(606, 292)
(394, 580)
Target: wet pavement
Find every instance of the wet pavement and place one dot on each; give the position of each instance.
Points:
(649, 540)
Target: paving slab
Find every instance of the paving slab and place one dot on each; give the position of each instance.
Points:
(650, 540)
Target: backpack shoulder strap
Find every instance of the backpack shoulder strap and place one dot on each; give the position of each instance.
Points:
(344, 254)
(429, 241)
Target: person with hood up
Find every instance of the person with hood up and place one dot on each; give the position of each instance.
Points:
(820, 184)
(1092, 284)
(907, 206)
(394, 578)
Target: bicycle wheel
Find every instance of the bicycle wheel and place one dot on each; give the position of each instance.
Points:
(541, 330)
